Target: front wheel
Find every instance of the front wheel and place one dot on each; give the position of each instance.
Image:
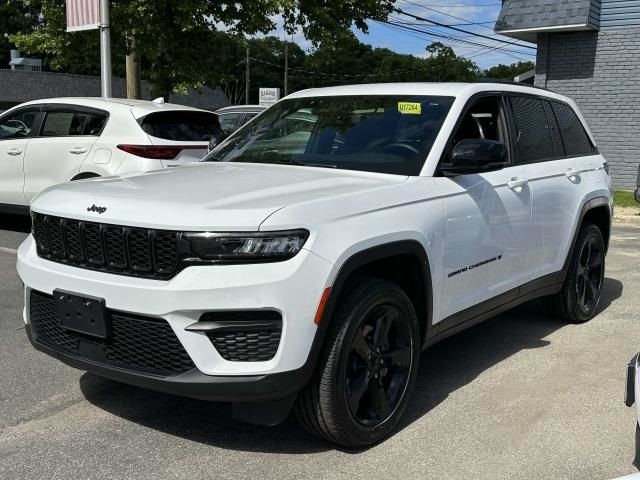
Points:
(578, 300)
(367, 369)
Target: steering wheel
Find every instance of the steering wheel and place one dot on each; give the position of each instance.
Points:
(399, 145)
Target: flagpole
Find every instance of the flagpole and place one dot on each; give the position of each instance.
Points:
(105, 49)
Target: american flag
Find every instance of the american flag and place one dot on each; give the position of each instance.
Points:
(83, 15)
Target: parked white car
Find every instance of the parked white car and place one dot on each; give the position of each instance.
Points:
(312, 255)
(51, 141)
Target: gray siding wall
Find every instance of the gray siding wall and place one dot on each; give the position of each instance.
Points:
(18, 86)
(619, 13)
(601, 72)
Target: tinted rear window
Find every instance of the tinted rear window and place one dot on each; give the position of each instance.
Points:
(182, 126)
(576, 140)
(533, 137)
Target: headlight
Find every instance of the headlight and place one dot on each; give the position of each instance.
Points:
(246, 247)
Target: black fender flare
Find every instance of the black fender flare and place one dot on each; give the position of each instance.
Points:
(353, 263)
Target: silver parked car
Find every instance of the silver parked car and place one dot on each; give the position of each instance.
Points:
(232, 118)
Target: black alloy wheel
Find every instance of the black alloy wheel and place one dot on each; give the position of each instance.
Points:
(589, 274)
(367, 368)
(379, 365)
(578, 299)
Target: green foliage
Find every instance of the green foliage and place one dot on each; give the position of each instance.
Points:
(16, 16)
(178, 41)
(508, 72)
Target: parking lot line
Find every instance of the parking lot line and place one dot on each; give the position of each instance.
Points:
(8, 250)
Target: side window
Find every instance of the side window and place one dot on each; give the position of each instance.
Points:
(576, 140)
(483, 120)
(533, 137)
(229, 122)
(18, 125)
(95, 124)
(556, 138)
(60, 124)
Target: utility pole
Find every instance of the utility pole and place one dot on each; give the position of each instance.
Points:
(105, 49)
(286, 68)
(134, 86)
(247, 83)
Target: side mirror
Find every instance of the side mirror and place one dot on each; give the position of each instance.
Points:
(476, 156)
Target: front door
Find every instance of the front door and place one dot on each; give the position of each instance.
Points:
(15, 132)
(488, 220)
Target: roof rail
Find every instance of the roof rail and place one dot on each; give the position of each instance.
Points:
(509, 82)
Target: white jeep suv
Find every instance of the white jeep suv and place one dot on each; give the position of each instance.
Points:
(312, 255)
(51, 141)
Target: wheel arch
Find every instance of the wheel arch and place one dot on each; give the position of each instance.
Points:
(597, 211)
(85, 175)
(404, 262)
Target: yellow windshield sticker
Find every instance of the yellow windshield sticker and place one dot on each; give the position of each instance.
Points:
(410, 108)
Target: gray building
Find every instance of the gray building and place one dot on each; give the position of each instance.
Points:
(17, 86)
(589, 50)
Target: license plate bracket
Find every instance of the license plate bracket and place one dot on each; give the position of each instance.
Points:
(82, 314)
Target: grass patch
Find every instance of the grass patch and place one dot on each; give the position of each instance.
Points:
(624, 198)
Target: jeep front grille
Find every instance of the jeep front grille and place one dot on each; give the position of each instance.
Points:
(139, 252)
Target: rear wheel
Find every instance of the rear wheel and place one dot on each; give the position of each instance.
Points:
(367, 368)
(578, 300)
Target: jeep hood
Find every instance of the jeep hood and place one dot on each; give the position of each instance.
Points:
(203, 196)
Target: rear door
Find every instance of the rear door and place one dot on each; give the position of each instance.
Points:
(67, 134)
(559, 181)
(16, 130)
(187, 132)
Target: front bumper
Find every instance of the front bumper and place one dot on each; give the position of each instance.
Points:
(293, 288)
(194, 383)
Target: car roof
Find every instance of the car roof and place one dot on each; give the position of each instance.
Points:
(241, 108)
(139, 107)
(447, 89)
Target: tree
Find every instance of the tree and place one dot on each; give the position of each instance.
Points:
(15, 17)
(178, 41)
(445, 66)
(509, 72)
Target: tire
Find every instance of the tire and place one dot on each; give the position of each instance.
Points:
(578, 300)
(363, 380)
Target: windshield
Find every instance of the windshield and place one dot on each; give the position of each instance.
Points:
(386, 134)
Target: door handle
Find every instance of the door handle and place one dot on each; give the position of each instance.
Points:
(571, 173)
(78, 150)
(14, 151)
(516, 183)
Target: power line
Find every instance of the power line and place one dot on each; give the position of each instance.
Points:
(457, 6)
(433, 22)
(480, 24)
(454, 38)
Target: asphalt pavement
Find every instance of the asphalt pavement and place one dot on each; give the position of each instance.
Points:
(520, 396)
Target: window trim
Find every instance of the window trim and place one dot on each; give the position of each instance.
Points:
(508, 124)
(70, 108)
(37, 122)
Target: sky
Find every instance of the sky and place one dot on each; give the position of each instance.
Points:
(452, 12)
(455, 12)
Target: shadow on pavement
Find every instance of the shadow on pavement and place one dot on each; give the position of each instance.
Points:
(447, 366)
(15, 223)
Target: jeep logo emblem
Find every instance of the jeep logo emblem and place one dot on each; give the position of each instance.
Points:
(99, 210)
